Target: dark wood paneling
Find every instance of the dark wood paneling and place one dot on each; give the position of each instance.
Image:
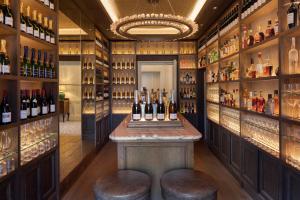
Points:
(200, 99)
(270, 176)
(291, 184)
(224, 144)
(116, 120)
(88, 127)
(7, 189)
(235, 153)
(29, 184)
(250, 164)
(216, 138)
(47, 176)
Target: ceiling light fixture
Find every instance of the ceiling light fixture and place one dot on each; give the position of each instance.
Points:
(197, 8)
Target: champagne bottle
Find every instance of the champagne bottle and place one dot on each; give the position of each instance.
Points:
(4, 60)
(160, 108)
(7, 13)
(22, 19)
(33, 105)
(136, 108)
(33, 64)
(5, 110)
(40, 71)
(29, 24)
(23, 106)
(44, 103)
(25, 68)
(36, 30)
(172, 108)
(148, 108)
(40, 24)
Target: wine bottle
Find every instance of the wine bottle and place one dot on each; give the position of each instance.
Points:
(47, 32)
(22, 19)
(52, 71)
(7, 13)
(136, 108)
(292, 13)
(52, 103)
(148, 108)
(29, 24)
(36, 30)
(172, 108)
(4, 60)
(45, 66)
(33, 64)
(41, 28)
(39, 101)
(160, 108)
(23, 106)
(33, 105)
(25, 68)
(44, 103)
(5, 110)
(40, 67)
(52, 35)
(28, 103)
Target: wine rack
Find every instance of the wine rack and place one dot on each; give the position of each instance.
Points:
(12, 164)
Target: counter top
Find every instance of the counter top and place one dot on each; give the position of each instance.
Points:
(124, 134)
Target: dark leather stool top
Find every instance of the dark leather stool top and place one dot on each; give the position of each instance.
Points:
(186, 184)
(123, 185)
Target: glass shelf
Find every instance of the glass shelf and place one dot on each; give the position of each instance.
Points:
(213, 112)
(230, 119)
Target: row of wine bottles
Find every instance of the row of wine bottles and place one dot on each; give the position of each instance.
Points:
(38, 104)
(35, 68)
(153, 110)
(36, 26)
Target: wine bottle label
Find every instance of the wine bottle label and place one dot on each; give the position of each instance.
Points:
(36, 33)
(6, 117)
(173, 116)
(42, 36)
(52, 108)
(29, 30)
(136, 116)
(290, 18)
(45, 110)
(46, 2)
(52, 40)
(148, 116)
(160, 116)
(23, 114)
(23, 27)
(51, 5)
(34, 112)
(48, 38)
(5, 69)
(9, 21)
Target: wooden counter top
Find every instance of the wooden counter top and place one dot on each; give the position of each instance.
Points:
(187, 133)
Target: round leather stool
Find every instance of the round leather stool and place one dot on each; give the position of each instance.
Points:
(123, 185)
(187, 184)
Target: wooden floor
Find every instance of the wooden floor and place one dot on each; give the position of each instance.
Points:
(106, 163)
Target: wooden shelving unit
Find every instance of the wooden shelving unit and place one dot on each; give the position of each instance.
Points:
(35, 161)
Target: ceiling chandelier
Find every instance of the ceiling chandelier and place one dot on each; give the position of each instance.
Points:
(166, 26)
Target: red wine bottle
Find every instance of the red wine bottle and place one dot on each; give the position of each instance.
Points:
(5, 110)
(44, 103)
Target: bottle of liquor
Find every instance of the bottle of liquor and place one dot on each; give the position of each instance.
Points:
(261, 104)
(270, 105)
(23, 106)
(276, 103)
(293, 58)
(259, 66)
(44, 103)
(52, 35)
(148, 108)
(292, 14)
(45, 66)
(41, 28)
(22, 19)
(40, 67)
(160, 108)
(5, 110)
(270, 32)
(4, 60)
(136, 108)
(7, 13)
(33, 64)
(36, 30)
(29, 24)
(47, 32)
(25, 68)
(172, 108)
(33, 105)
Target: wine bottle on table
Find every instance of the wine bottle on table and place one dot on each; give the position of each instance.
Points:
(5, 110)
(136, 108)
(23, 105)
(172, 108)
(148, 108)
(160, 108)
